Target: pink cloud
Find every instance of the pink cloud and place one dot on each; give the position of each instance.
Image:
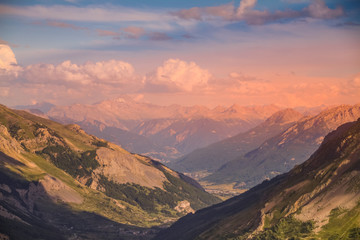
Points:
(134, 32)
(192, 13)
(60, 24)
(73, 13)
(225, 11)
(245, 12)
(102, 32)
(318, 9)
(245, 6)
(158, 36)
(175, 81)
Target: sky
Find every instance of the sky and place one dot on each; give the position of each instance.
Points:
(205, 52)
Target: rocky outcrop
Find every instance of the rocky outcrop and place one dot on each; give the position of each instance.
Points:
(184, 206)
(122, 167)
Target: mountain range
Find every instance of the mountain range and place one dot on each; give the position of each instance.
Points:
(161, 132)
(318, 199)
(212, 157)
(273, 147)
(282, 152)
(58, 182)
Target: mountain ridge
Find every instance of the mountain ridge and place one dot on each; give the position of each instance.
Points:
(215, 155)
(281, 152)
(55, 174)
(317, 199)
(167, 131)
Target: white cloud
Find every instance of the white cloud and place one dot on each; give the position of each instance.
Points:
(177, 75)
(8, 63)
(69, 83)
(112, 72)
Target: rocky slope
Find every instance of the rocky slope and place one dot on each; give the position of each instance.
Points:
(282, 152)
(58, 182)
(164, 132)
(318, 199)
(215, 155)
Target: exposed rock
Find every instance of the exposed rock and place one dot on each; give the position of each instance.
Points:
(122, 167)
(184, 206)
(57, 190)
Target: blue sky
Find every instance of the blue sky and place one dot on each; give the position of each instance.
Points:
(310, 41)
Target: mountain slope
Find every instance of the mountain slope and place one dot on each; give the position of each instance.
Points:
(282, 152)
(213, 156)
(55, 175)
(318, 199)
(189, 134)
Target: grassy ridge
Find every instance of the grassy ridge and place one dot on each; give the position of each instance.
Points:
(69, 154)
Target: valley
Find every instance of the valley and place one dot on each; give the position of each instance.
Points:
(52, 175)
(273, 146)
(318, 199)
(284, 140)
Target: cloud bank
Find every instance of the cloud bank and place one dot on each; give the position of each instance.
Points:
(112, 72)
(175, 80)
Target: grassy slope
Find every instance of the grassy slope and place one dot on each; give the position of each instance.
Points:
(23, 127)
(196, 197)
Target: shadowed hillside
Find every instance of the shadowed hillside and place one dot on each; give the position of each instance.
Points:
(318, 199)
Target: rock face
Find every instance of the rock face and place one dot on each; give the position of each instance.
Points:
(59, 182)
(215, 155)
(318, 199)
(57, 190)
(122, 167)
(163, 132)
(184, 206)
(280, 153)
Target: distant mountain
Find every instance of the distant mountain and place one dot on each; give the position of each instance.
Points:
(282, 152)
(185, 135)
(163, 132)
(58, 182)
(215, 155)
(43, 107)
(318, 199)
(312, 110)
